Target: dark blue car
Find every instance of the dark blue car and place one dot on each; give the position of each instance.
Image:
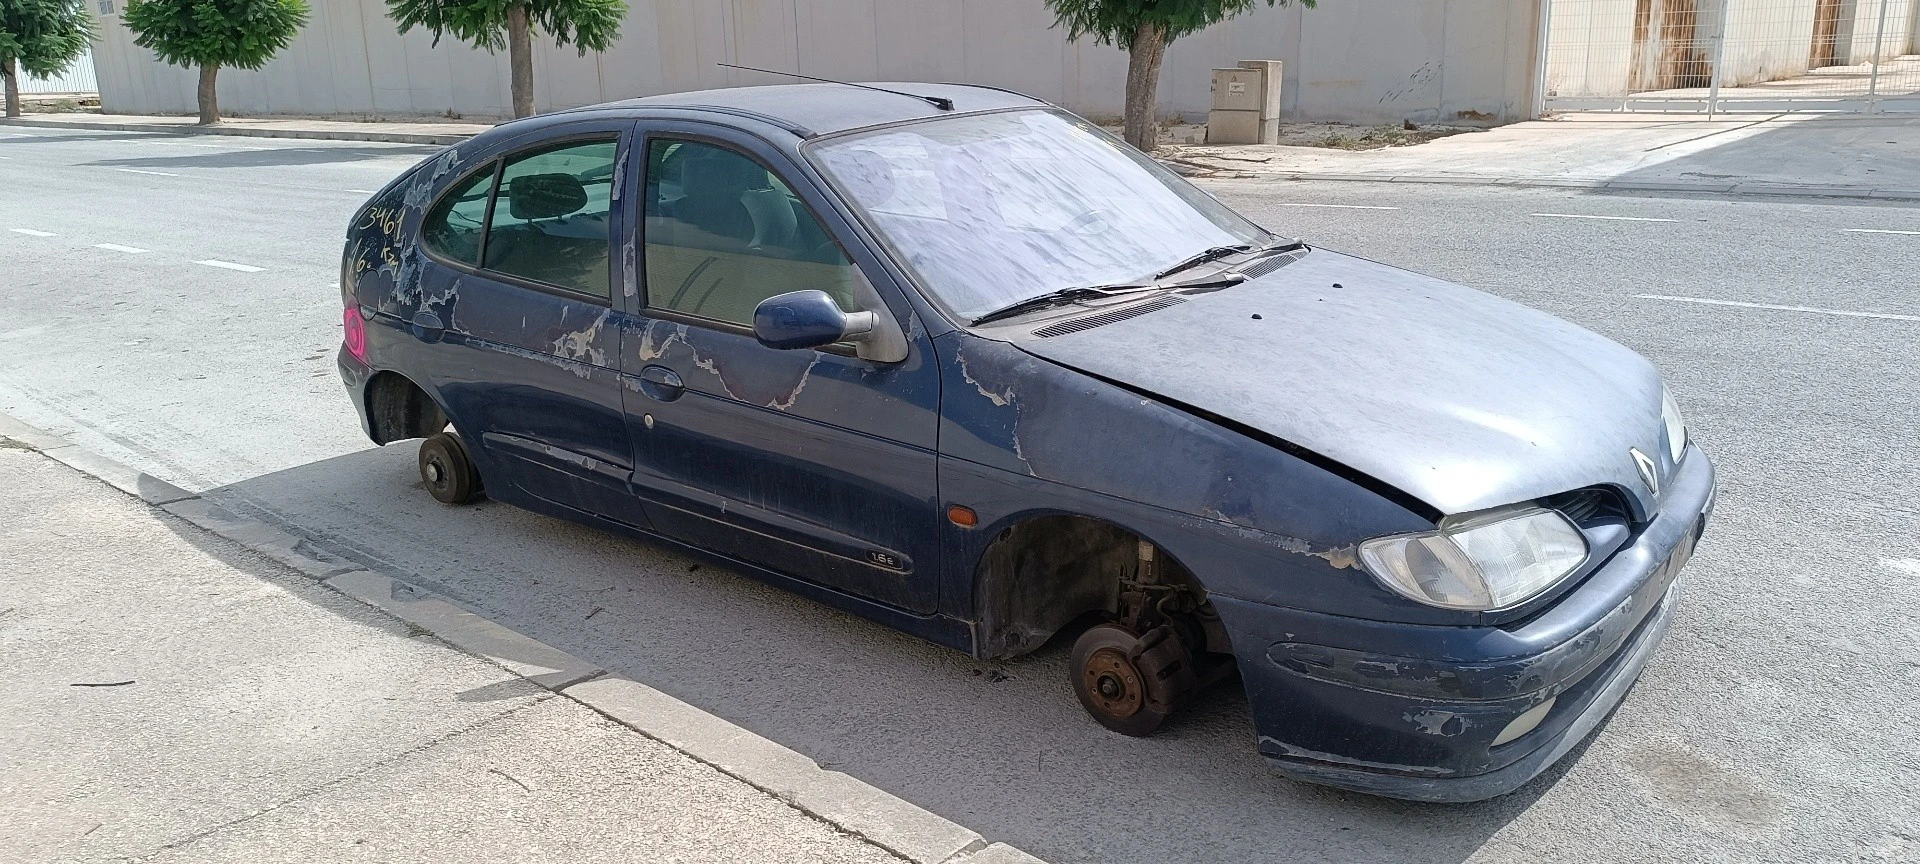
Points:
(959, 362)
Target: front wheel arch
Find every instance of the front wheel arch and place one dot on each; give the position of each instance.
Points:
(1047, 573)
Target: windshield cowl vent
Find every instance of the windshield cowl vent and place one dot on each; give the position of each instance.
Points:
(1102, 319)
(1262, 268)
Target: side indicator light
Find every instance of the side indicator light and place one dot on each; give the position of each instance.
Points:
(962, 516)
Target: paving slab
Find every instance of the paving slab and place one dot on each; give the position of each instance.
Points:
(173, 695)
(518, 790)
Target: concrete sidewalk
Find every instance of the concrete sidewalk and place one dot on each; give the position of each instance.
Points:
(409, 132)
(1856, 156)
(173, 696)
(1875, 156)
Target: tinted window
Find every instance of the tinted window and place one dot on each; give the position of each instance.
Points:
(454, 227)
(723, 233)
(550, 222)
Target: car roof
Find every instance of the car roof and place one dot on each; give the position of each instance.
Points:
(822, 109)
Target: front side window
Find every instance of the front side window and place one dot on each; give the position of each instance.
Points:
(453, 228)
(724, 233)
(551, 216)
(992, 209)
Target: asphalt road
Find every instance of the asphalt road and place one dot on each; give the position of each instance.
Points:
(1776, 723)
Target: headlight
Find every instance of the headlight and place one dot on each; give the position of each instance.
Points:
(1483, 562)
(1676, 427)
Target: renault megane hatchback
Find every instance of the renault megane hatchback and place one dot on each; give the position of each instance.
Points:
(962, 363)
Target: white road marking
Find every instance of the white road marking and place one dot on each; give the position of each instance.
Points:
(363, 191)
(1814, 309)
(1334, 206)
(154, 173)
(229, 265)
(1876, 231)
(1909, 566)
(119, 248)
(31, 233)
(1608, 218)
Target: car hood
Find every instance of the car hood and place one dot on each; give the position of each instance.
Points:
(1453, 396)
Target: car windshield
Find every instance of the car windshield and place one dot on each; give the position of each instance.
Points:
(992, 209)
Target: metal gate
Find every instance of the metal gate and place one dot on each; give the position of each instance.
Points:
(1716, 56)
(76, 78)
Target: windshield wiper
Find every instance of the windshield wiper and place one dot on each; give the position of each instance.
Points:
(1219, 252)
(1214, 254)
(1067, 296)
(1061, 297)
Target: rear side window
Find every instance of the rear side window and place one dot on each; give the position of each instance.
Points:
(724, 233)
(550, 220)
(454, 227)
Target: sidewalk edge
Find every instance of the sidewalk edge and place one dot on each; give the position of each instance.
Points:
(1739, 190)
(245, 131)
(841, 800)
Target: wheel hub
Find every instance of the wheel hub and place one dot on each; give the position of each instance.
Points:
(433, 472)
(1114, 684)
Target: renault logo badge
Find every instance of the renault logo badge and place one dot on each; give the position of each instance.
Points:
(1645, 465)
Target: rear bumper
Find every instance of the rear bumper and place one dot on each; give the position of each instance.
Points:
(1410, 711)
(354, 375)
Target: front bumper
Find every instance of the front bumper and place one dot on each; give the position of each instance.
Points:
(1412, 711)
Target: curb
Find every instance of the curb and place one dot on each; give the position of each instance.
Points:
(1201, 172)
(839, 799)
(248, 131)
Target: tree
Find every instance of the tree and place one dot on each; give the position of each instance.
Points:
(214, 34)
(490, 24)
(41, 38)
(1145, 28)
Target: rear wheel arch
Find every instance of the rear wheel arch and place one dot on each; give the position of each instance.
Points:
(398, 409)
(1051, 572)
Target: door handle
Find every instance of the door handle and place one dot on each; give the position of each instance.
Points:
(661, 383)
(427, 327)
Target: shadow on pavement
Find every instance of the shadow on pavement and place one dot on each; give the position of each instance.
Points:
(1869, 151)
(1000, 747)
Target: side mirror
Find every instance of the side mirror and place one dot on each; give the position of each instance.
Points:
(807, 319)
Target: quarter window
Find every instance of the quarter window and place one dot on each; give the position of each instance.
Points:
(454, 227)
(550, 220)
(723, 233)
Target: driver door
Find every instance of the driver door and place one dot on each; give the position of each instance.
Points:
(815, 463)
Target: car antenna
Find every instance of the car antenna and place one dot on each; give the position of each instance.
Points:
(940, 102)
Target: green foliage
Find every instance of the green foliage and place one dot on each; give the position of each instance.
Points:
(1113, 22)
(44, 36)
(242, 34)
(590, 24)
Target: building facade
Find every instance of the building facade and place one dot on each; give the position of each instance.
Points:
(1358, 61)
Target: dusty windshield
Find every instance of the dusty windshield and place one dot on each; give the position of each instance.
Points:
(993, 209)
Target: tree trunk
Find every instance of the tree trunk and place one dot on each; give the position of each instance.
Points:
(209, 95)
(520, 58)
(8, 72)
(1143, 82)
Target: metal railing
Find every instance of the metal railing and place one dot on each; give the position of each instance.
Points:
(1732, 55)
(77, 78)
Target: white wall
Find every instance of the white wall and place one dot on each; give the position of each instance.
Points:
(1766, 39)
(1590, 47)
(1371, 61)
(1859, 29)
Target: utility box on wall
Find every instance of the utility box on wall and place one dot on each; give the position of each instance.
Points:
(1246, 104)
